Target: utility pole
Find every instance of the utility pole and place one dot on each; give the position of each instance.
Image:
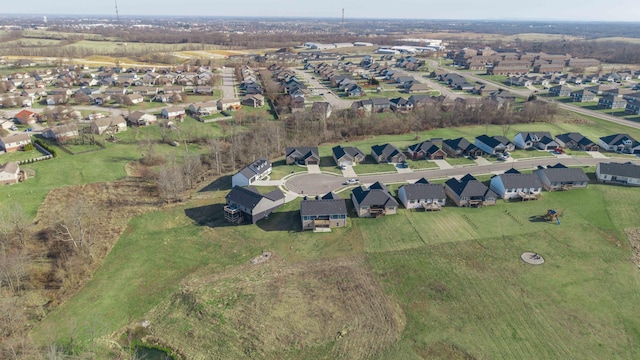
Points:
(117, 14)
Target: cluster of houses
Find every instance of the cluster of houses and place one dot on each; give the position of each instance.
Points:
(513, 62)
(319, 213)
(133, 85)
(342, 75)
(607, 96)
(245, 204)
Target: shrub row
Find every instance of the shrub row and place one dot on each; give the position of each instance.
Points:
(32, 160)
(46, 147)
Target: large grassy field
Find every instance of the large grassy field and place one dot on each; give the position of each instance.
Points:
(438, 285)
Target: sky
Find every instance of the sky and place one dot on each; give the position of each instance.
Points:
(583, 10)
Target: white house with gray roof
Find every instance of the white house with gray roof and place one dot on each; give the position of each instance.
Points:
(560, 177)
(257, 170)
(422, 195)
(618, 173)
(513, 184)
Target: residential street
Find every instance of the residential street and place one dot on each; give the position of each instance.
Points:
(333, 99)
(228, 84)
(318, 184)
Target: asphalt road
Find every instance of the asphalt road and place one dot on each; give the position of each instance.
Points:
(333, 99)
(320, 184)
(228, 87)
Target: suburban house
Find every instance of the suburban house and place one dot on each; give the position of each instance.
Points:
(141, 118)
(134, 98)
(173, 112)
(512, 184)
(27, 117)
(560, 90)
(108, 125)
(347, 155)
(491, 145)
(380, 104)
(374, 201)
(560, 177)
(246, 204)
(304, 155)
(257, 170)
(461, 147)
(61, 133)
(324, 212)
(400, 105)
(204, 108)
(612, 102)
(422, 195)
(14, 142)
(622, 143)
(253, 100)
(582, 96)
(426, 150)
(9, 173)
(576, 141)
(468, 191)
(387, 153)
(618, 173)
(229, 104)
(540, 140)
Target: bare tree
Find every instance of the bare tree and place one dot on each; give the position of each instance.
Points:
(76, 225)
(171, 181)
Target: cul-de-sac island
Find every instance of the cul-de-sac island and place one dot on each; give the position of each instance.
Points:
(188, 186)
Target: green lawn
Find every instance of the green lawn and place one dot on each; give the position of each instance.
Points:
(524, 154)
(461, 161)
(19, 156)
(456, 276)
(369, 166)
(280, 169)
(421, 164)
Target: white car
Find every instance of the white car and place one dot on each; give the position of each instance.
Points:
(351, 181)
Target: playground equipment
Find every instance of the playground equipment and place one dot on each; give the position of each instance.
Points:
(553, 215)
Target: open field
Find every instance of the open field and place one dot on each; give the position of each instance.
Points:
(457, 271)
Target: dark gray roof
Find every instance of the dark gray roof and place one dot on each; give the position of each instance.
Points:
(535, 136)
(627, 169)
(514, 181)
(422, 181)
(460, 143)
(375, 196)
(426, 146)
(424, 191)
(302, 152)
(259, 166)
(488, 140)
(512, 171)
(618, 139)
(247, 197)
(564, 174)
(574, 137)
(380, 102)
(503, 139)
(274, 195)
(339, 151)
(330, 195)
(469, 186)
(323, 207)
(387, 150)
